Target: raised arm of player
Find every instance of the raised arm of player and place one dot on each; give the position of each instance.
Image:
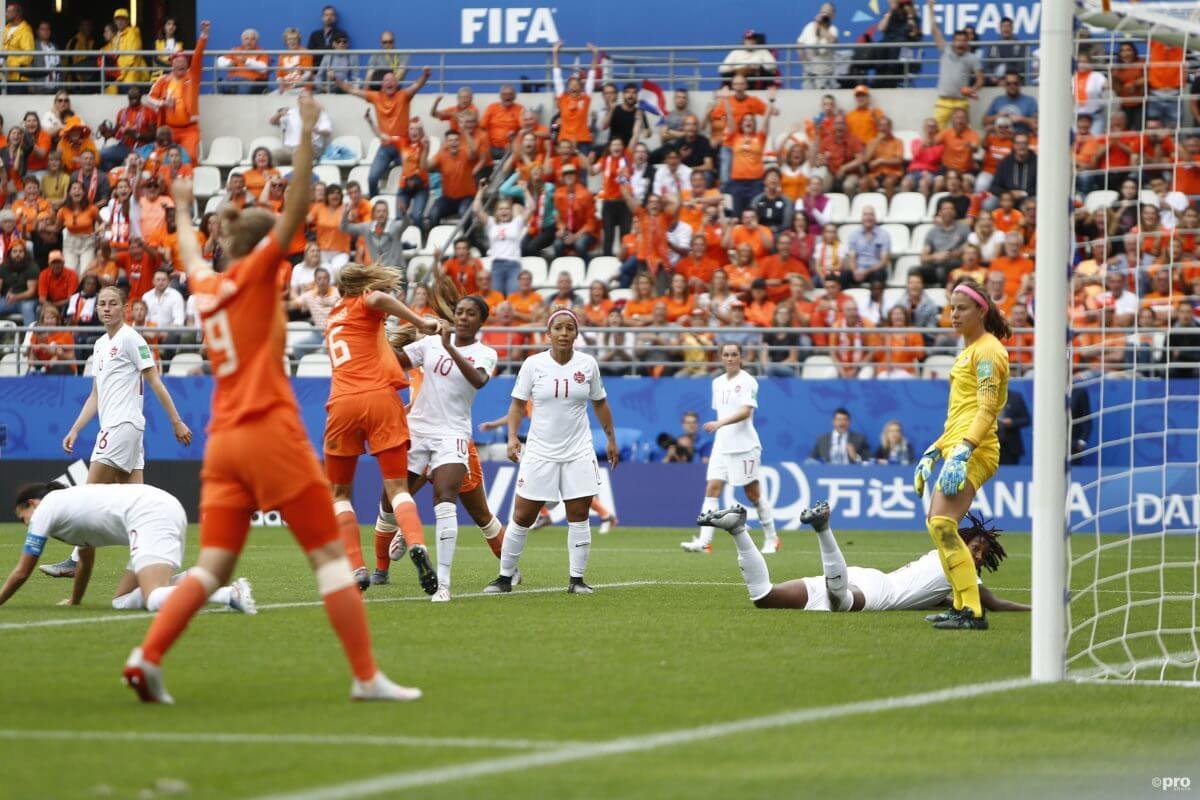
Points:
(384, 302)
(993, 603)
(516, 412)
(182, 432)
(85, 416)
(604, 414)
(474, 375)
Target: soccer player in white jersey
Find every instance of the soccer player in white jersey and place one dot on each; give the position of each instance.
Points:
(122, 364)
(919, 584)
(455, 366)
(559, 459)
(144, 519)
(736, 451)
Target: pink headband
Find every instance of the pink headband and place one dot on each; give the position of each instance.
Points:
(561, 312)
(971, 293)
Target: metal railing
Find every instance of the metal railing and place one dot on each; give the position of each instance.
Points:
(688, 351)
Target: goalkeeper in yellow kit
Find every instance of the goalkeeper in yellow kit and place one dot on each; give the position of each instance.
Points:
(978, 391)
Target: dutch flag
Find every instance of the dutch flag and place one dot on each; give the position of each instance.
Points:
(652, 100)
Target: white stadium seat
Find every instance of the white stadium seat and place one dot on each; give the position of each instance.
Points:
(937, 366)
(906, 139)
(603, 269)
(349, 142)
(391, 184)
(1101, 198)
(360, 175)
(572, 265)
(11, 366)
(314, 365)
(183, 364)
(938, 295)
(818, 368)
(875, 200)
(412, 235)
(907, 208)
(435, 144)
(439, 238)
(617, 295)
(838, 208)
(900, 269)
(206, 181)
(847, 230)
(328, 174)
(917, 242)
(891, 296)
(272, 143)
(372, 149)
(537, 267)
(225, 151)
(419, 269)
(899, 235)
(931, 211)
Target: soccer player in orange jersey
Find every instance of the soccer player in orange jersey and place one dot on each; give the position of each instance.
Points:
(258, 455)
(365, 411)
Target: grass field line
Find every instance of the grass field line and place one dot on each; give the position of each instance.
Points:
(200, 737)
(133, 616)
(399, 781)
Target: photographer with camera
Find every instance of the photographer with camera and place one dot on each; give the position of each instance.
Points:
(819, 36)
(901, 25)
(677, 450)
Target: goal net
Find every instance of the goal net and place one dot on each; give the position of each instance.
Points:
(1132, 557)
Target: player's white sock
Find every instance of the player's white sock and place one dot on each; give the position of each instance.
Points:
(222, 596)
(492, 529)
(579, 545)
(385, 522)
(752, 563)
(131, 601)
(75, 554)
(833, 564)
(706, 531)
(447, 537)
(766, 518)
(158, 597)
(514, 545)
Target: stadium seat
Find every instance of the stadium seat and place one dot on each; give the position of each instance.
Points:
(573, 265)
(272, 143)
(938, 295)
(435, 144)
(387, 199)
(439, 238)
(847, 230)
(818, 368)
(372, 149)
(352, 144)
(933, 201)
(214, 202)
(1148, 197)
(1101, 198)
(937, 366)
(860, 296)
(224, 152)
(419, 269)
(917, 241)
(907, 208)
(183, 364)
(11, 365)
(296, 331)
(906, 139)
(875, 200)
(392, 184)
(206, 181)
(314, 365)
(838, 208)
(537, 267)
(603, 269)
(359, 175)
(891, 296)
(899, 235)
(328, 174)
(901, 268)
(411, 235)
(619, 295)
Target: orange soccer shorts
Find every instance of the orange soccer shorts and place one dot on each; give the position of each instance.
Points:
(474, 476)
(374, 422)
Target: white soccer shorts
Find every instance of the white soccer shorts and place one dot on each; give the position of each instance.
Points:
(736, 469)
(120, 447)
(429, 454)
(875, 586)
(157, 536)
(550, 481)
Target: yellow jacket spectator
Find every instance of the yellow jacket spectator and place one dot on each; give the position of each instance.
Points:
(130, 68)
(18, 38)
(167, 43)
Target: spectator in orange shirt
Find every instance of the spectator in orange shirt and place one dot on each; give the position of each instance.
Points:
(844, 156)
(1088, 151)
(639, 309)
(493, 298)
(574, 100)
(575, 215)
(884, 161)
(31, 206)
(325, 218)
(614, 168)
(1011, 263)
(465, 101)
(778, 268)
(758, 237)
(153, 208)
(413, 193)
(743, 270)
(139, 264)
(51, 351)
(696, 267)
(527, 304)
(392, 115)
(296, 66)
(960, 142)
(651, 252)
(246, 72)
(461, 268)
(863, 120)
(1129, 82)
(1187, 169)
(456, 162)
(77, 220)
(176, 96)
(854, 345)
(1122, 149)
(598, 305)
(262, 169)
(759, 308)
(747, 147)
(501, 120)
(1157, 148)
(565, 154)
(997, 145)
(900, 347)
(1165, 78)
(679, 298)
(56, 283)
(1005, 216)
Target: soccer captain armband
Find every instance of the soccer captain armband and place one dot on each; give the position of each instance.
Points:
(34, 544)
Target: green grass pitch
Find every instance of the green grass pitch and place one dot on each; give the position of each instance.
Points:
(515, 676)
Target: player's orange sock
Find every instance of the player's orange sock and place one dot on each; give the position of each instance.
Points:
(349, 532)
(385, 530)
(409, 521)
(189, 596)
(599, 508)
(344, 605)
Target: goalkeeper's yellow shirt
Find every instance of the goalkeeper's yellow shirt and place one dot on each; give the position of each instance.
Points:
(978, 391)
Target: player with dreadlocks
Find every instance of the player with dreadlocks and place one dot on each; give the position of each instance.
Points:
(919, 584)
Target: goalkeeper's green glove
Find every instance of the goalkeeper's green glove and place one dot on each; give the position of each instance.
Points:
(925, 468)
(953, 476)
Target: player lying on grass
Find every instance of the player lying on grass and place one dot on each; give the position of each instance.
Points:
(147, 520)
(919, 584)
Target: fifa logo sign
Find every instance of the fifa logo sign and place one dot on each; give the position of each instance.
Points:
(508, 26)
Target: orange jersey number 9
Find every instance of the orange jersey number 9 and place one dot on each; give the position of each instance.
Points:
(218, 338)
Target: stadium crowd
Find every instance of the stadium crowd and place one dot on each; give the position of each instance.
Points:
(714, 221)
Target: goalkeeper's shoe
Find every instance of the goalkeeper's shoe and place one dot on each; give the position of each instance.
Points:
(817, 516)
(425, 574)
(380, 688)
(963, 619)
(696, 546)
(577, 586)
(63, 569)
(501, 585)
(727, 519)
(145, 679)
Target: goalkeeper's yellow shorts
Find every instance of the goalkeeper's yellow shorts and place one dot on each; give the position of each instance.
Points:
(983, 463)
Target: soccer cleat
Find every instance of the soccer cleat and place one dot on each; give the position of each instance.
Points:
(63, 569)
(379, 577)
(771, 546)
(145, 679)
(727, 519)
(241, 597)
(608, 523)
(398, 547)
(502, 585)
(696, 546)
(380, 688)
(362, 578)
(963, 619)
(940, 616)
(442, 595)
(817, 516)
(425, 574)
(577, 586)
(542, 521)
(517, 580)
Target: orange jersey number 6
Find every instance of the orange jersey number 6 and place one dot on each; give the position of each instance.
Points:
(339, 352)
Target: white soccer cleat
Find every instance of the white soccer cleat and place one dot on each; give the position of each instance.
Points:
(380, 688)
(442, 595)
(607, 524)
(241, 597)
(727, 519)
(696, 546)
(145, 679)
(398, 547)
(770, 546)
